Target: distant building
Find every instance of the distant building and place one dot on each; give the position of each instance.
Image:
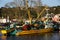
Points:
(2, 20)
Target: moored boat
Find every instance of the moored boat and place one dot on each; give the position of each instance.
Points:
(5, 32)
(41, 31)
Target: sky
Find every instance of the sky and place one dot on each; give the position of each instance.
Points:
(44, 2)
(51, 2)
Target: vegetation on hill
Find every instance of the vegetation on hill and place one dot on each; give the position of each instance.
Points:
(18, 12)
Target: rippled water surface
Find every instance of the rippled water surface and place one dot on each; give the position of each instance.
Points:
(48, 36)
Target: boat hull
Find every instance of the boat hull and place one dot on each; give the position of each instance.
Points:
(34, 31)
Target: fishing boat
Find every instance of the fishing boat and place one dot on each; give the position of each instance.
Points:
(26, 32)
(41, 31)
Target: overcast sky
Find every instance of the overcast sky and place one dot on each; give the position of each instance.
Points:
(44, 2)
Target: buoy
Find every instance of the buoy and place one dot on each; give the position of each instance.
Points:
(3, 31)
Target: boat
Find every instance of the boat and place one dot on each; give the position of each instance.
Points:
(41, 31)
(5, 32)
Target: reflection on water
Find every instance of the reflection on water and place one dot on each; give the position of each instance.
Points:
(3, 37)
(48, 36)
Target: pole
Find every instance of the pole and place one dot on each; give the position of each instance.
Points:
(41, 13)
(30, 19)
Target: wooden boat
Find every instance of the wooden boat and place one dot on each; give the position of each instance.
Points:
(34, 31)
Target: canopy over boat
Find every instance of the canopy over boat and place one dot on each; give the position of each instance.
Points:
(56, 18)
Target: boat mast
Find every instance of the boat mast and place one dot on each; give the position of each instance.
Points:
(29, 15)
(41, 13)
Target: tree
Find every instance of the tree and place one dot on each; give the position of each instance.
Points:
(10, 5)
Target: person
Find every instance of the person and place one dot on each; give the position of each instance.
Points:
(36, 26)
(39, 24)
(26, 27)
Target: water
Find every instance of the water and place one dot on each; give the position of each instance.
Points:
(48, 36)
